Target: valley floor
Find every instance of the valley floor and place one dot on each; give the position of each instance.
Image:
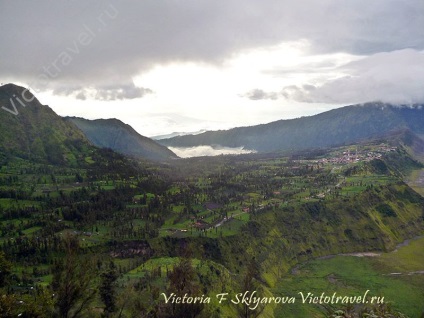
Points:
(397, 276)
(224, 224)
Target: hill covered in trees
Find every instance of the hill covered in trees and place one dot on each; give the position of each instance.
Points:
(336, 127)
(120, 137)
(33, 131)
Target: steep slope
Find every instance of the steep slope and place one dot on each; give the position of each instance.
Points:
(413, 143)
(33, 131)
(336, 127)
(120, 137)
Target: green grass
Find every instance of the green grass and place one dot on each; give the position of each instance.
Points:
(178, 208)
(89, 160)
(151, 264)
(415, 182)
(8, 203)
(31, 230)
(348, 275)
(229, 228)
(107, 187)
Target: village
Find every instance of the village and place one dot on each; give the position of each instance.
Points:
(358, 155)
(285, 182)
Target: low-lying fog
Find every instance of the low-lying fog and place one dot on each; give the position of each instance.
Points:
(200, 151)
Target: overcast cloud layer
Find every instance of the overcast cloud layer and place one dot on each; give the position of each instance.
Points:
(94, 50)
(125, 37)
(395, 77)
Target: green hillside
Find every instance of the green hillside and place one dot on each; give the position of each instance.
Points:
(114, 134)
(332, 128)
(35, 132)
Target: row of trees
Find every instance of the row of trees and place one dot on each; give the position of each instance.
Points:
(77, 281)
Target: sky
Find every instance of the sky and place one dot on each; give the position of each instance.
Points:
(182, 66)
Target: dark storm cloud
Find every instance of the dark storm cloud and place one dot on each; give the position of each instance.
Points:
(61, 43)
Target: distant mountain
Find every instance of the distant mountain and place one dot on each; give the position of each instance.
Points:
(120, 137)
(176, 134)
(33, 131)
(332, 128)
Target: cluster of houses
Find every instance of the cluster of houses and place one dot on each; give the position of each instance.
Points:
(349, 156)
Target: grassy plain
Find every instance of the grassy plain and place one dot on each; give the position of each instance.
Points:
(397, 276)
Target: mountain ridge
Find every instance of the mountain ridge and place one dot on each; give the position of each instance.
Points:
(34, 131)
(115, 134)
(332, 128)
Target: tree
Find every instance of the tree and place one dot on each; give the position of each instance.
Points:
(107, 288)
(8, 306)
(39, 303)
(249, 283)
(126, 301)
(182, 280)
(73, 281)
(5, 269)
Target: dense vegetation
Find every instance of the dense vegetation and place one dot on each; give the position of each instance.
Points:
(114, 134)
(332, 128)
(131, 230)
(88, 232)
(34, 132)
